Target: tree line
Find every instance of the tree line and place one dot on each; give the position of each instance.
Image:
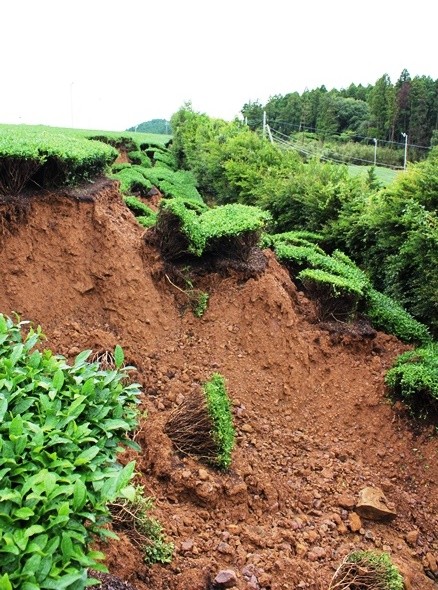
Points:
(383, 111)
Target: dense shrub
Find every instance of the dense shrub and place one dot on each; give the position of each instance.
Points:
(133, 181)
(140, 158)
(229, 230)
(342, 289)
(386, 314)
(394, 236)
(414, 379)
(61, 427)
(45, 158)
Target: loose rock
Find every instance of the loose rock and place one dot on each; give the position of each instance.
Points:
(372, 504)
(226, 579)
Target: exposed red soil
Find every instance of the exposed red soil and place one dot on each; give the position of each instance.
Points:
(313, 424)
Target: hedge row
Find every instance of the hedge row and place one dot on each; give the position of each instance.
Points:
(337, 277)
(229, 230)
(48, 158)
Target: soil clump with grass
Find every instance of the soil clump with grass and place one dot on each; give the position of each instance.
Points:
(313, 423)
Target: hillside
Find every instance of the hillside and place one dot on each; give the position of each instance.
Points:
(314, 426)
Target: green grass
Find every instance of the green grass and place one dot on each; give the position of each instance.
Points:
(385, 176)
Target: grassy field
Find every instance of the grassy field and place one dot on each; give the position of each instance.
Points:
(384, 175)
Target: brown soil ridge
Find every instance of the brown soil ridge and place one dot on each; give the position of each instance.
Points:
(313, 424)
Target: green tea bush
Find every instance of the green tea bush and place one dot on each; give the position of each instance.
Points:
(148, 220)
(229, 230)
(144, 215)
(202, 424)
(131, 514)
(386, 314)
(337, 297)
(367, 570)
(219, 410)
(48, 158)
(414, 379)
(61, 427)
(140, 158)
(137, 206)
(180, 184)
(165, 158)
(132, 180)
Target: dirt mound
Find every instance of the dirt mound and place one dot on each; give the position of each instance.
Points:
(313, 424)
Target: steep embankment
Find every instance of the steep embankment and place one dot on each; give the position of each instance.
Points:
(313, 425)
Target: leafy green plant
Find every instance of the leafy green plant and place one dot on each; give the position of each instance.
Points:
(386, 314)
(414, 379)
(201, 304)
(219, 409)
(132, 180)
(140, 158)
(48, 158)
(203, 424)
(61, 427)
(231, 230)
(131, 514)
(367, 570)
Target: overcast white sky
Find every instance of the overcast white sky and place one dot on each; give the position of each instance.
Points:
(102, 64)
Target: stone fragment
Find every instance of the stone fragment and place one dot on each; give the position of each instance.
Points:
(373, 505)
(187, 545)
(354, 522)
(203, 474)
(346, 501)
(226, 579)
(412, 538)
(225, 548)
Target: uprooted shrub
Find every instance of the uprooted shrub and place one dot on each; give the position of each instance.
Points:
(229, 231)
(386, 314)
(336, 297)
(143, 214)
(131, 515)
(202, 425)
(61, 426)
(414, 379)
(366, 570)
(342, 291)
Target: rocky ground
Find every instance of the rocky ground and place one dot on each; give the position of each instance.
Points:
(314, 426)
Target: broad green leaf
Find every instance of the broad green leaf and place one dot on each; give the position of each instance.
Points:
(58, 380)
(79, 495)
(17, 351)
(87, 455)
(33, 530)
(128, 492)
(119, 356)
(30, 586)
(16, 426)
(67, 546)
(3, 407)
(24, 513)
(82, 357)
(32, 564)
(65, 581)
(5, 583)
(125, 476)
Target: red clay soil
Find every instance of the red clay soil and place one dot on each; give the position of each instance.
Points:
(313, 424)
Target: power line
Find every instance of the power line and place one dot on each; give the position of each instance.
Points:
(288, 143)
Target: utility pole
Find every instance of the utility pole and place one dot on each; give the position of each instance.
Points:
(375, 150)
(405, 135)
(264, 123)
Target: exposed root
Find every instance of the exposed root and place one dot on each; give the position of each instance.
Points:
(190, 428)
(362, 573)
